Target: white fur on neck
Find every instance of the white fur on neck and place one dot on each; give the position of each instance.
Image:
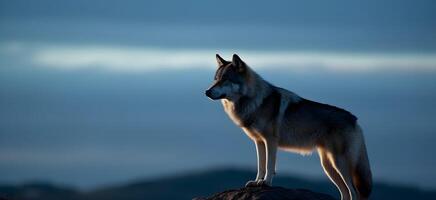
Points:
(257, 91)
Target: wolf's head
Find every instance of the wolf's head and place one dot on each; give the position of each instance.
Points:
(230, 79)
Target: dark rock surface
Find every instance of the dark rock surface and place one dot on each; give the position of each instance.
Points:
(267, 193)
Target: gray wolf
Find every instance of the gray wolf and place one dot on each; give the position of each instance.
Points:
(275, 118)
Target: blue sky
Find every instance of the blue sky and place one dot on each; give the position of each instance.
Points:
(118, 85)
(372, 13)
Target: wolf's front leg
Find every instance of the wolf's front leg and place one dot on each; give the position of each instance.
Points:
(271, 151)
(261, 164)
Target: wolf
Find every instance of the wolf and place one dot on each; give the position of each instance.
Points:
(275, 118)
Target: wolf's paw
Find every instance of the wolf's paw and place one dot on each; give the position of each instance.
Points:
(264, 183)
(257, 183)
(251, 183)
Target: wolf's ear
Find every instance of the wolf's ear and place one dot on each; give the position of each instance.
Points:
(237, 62)
(221, 61)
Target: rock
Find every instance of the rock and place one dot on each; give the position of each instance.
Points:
(267, 193)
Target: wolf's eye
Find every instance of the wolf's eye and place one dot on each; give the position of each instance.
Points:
(231, 82)
(234, 81)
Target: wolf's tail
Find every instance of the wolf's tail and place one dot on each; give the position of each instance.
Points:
(362, 176)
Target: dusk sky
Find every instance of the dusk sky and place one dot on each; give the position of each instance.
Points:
(101, 92)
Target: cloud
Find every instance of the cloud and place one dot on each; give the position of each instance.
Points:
(134, 59)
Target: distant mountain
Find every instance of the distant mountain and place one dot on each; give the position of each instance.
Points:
(190, 185)
(38, 191)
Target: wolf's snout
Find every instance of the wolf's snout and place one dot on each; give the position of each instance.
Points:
(208, 93)
(213, 94)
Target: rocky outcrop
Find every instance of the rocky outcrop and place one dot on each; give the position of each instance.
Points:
(267, 193)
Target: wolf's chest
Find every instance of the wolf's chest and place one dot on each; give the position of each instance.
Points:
(235, 116)
(252, 126)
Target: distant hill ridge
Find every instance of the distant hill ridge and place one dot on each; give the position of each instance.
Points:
(191, 185)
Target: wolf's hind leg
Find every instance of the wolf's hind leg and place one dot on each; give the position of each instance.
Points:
(334, 176)
(261, 163)
(343, 166)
